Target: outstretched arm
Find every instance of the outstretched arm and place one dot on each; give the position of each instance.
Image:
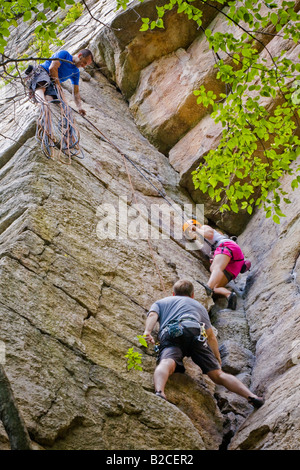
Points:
(77, 100)
(150, 323)
(205, 231)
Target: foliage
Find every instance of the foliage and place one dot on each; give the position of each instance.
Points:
(134, 359)
(72, 15)
(42, 47)
(29, 10)
(259, 142)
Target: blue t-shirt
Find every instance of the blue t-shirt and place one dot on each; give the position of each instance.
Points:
(66, 70)
(173, 307)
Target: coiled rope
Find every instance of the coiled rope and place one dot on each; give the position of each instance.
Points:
(56, 130)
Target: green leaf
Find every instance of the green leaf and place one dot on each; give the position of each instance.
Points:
(27, 16)
(211, 192)
(142, 341)
(276, 219)
(160, 23)
(182, 7)
(274, 18)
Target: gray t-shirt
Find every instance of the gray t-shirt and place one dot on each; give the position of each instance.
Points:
(173, 307)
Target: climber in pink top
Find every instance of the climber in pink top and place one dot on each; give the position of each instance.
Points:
(228, 260)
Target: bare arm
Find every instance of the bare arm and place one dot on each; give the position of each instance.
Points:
(213, 343)
(150, 323)
(205, 231)
(77, 100)
(53, 71)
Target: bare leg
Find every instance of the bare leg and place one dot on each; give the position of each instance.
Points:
(220, 288)
(162, 372)
(40, 95)
(231, 383)
(218, 280)
(217, 270)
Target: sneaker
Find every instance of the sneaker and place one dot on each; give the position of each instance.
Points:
(232, 301)
(256, 402)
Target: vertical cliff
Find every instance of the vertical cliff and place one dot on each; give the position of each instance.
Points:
(73, 301)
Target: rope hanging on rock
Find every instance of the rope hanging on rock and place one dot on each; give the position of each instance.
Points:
(56, 130)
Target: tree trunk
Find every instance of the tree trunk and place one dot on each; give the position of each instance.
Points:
(10, 416)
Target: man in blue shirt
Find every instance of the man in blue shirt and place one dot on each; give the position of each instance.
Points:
(185, 331)
(54, 72)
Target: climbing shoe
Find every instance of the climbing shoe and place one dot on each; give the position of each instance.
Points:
(256, 402)
(208, 290)
(159, 394)
(29, 69)
(232, 301)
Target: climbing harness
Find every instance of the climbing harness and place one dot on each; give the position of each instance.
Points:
(175, 328)
(247, 263)
(224, 247)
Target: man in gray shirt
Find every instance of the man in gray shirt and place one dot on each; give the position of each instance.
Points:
(185, 331)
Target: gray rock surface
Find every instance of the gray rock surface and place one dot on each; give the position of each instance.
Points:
(72, 302)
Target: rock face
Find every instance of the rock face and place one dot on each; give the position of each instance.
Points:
(75, 291)
(272, 304)
(72, 303)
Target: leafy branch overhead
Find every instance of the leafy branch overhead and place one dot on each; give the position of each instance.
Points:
(258, 107)
(11, 12)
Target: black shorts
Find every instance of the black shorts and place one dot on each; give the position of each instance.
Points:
(188, 345)
(228, 275)
(41, 79)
